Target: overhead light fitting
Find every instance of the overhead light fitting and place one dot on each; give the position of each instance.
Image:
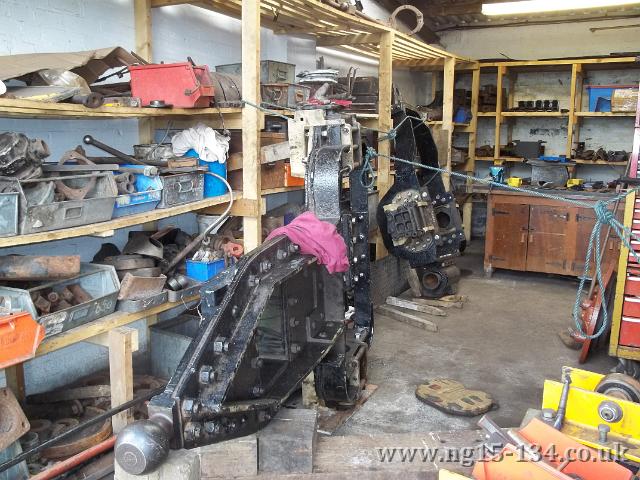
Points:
(540, 6)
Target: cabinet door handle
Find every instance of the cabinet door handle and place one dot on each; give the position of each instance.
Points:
(530, 238)
(523, 238)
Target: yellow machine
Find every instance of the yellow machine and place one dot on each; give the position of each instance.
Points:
(602, 411)
(514, 181)
(574, 182)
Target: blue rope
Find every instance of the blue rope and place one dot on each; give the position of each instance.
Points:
(604, 215)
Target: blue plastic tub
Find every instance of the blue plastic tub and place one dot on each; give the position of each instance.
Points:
(551, 158)
(203, 271)
(147, 197)
(213, 187)
(600, 96)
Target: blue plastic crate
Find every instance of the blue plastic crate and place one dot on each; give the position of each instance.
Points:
(203, 271)
(146, 199)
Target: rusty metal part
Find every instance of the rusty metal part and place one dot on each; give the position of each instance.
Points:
(78, 393)
(140, 272)
(13, 423)
(28, 441)
(67, 295)
(419, 18)
(79, 293)
(92, 421)
(128, 262)
(125, 177)
(178, 282)
(91, 100)
(89, 140)
(138, 288)
(42, 304)
(75, 193)
(141, 244)
(54, 410)
(53, 297)
(42, 427)
(63, 424)
(619, 385)
(38, 267)
(125, 188)
(81, 441)
(61, 305)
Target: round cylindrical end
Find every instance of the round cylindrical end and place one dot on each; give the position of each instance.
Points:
(141, 447)
(88, 139)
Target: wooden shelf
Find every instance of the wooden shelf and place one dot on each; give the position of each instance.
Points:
(103, 325)
(599, 162)
(605, 114)
(32, 109)
(105, 229)
(462, 127)
(487, 114)
(534, 114)
(272, 191)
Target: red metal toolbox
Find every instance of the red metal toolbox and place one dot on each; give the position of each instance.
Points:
(629, 332)
(179, 84)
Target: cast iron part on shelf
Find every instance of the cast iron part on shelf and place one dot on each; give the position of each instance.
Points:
(282, 317)
(418, 217)
(20, 156)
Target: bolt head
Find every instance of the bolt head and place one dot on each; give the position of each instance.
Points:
(206, 374)
(212, 428)
(190, 406)
(220, 345)
(192, 431)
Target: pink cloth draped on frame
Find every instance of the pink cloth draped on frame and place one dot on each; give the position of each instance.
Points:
(317, 238)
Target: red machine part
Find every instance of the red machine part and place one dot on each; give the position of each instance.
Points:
(561, 458)
(180, 85)
(20, 336)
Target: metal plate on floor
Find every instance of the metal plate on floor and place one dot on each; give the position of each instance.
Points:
(453, 397)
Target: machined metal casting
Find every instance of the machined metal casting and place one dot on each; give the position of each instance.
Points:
(282, 317)
(418, 218)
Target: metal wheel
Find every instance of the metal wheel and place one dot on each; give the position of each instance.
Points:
(619, 385)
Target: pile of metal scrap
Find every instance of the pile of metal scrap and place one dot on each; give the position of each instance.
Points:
(536, 106)
(79, 77)
(599, 155)
(63, 423)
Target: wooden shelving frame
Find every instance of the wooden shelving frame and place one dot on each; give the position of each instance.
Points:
(574, 117)
(331, 28)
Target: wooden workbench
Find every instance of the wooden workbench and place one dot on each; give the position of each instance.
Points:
(529, 233)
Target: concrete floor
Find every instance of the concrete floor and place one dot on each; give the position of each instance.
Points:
(504, 341)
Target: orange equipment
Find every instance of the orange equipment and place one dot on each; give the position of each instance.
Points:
(20, 336)
(544, 453)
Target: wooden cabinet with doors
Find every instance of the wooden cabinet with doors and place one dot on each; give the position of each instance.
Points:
(534, 234)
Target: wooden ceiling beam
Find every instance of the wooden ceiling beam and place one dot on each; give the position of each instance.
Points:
(348, 40)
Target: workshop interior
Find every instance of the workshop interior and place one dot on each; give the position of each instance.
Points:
(319, 239)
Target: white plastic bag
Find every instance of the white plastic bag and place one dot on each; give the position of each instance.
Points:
(210, 145)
